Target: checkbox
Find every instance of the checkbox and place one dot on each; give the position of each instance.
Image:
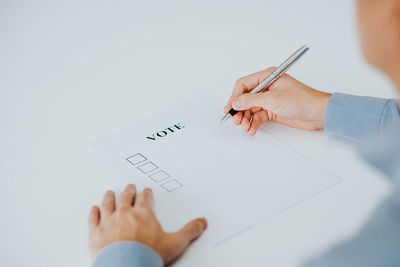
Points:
(147, 167)
(171, 185)
(159, 176)
(136, 159)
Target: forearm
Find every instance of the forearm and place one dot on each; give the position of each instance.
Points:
(357, 116)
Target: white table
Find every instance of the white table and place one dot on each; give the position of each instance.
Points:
(75, 71)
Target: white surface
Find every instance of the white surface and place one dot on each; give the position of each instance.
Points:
(73, 69)
(209, 163)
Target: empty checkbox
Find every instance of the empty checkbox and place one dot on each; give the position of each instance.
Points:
(147, 167)
(136, 159)
(171, 185)
(159, 176)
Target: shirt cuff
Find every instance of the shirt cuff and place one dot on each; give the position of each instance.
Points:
(127, 254)
(356, 116)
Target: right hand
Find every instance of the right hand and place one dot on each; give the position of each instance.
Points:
(287, 101)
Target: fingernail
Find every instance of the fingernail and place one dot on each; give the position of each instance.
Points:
(203, 222)
(131, 187)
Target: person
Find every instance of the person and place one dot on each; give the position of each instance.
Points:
(128, 234)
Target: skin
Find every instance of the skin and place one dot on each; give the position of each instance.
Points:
(292, 103)
(287, 101)
(132, 219)
(379, 28)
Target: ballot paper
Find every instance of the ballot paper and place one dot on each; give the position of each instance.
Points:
(198, 167)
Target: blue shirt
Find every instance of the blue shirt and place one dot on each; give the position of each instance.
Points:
(377, 122)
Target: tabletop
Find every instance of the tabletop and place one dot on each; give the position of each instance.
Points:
(73, 71)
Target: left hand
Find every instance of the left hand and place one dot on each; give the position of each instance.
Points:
(133, 220)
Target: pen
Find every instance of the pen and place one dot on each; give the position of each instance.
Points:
(275, 75)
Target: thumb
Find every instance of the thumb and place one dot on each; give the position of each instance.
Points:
(188, 233)
(176, 243)
(192, 230)
(180, 240)
(249, 100)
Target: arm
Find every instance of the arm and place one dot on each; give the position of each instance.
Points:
(376, 245)
(357, 116)
(292, 103)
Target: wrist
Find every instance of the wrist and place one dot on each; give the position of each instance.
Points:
(321, 106)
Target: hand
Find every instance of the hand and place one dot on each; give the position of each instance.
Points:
(287, 101)
(134, 220)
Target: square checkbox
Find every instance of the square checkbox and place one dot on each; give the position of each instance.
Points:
(147, 167)
(171, 185)
(136, 159)
(159, 176)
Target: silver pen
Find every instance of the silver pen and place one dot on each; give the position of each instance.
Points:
(275, 75)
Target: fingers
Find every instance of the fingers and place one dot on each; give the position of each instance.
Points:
(246, 84)
(246, 120)
(191, 231)
(247, 101)
(94, 217)
(108, 203)
(145, 198)
(127, 197)
(237, 119)
(179, 241)
(258, 119)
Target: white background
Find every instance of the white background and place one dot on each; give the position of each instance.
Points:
(73, 71)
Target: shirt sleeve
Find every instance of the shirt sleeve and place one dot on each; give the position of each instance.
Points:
(377, 243)
(358, 116)
(127, 254)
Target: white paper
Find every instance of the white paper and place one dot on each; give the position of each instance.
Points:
(198, 167)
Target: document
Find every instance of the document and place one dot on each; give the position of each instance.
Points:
(198, 167)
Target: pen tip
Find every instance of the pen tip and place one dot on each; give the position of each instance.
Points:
(225, 118)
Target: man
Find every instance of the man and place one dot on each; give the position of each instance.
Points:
(129, 234)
